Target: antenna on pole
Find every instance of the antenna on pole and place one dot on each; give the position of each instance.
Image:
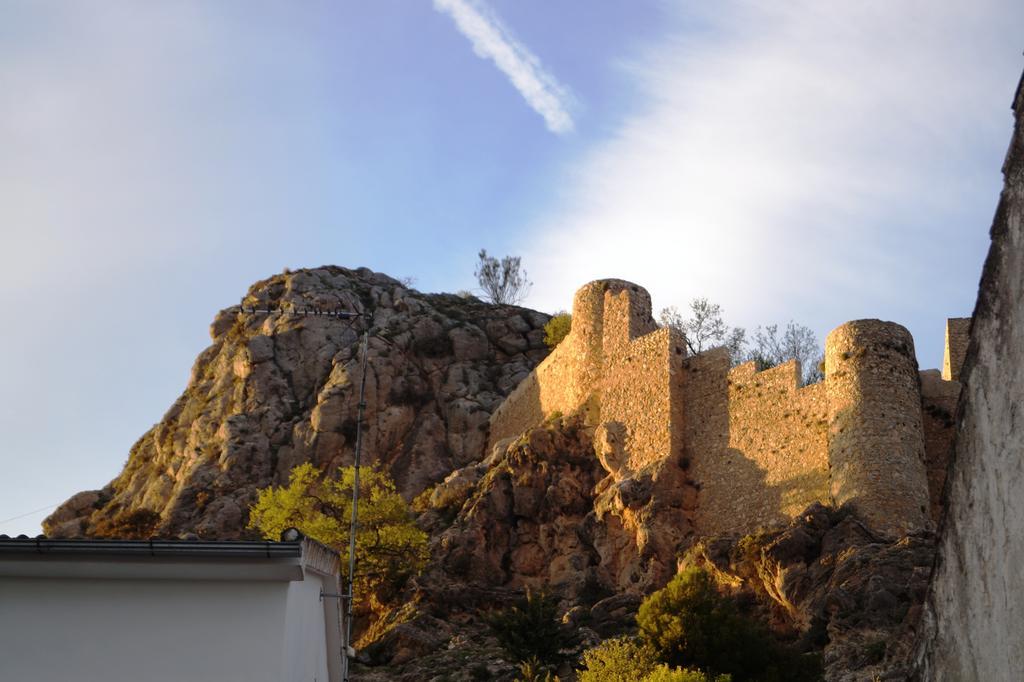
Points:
(347, 651)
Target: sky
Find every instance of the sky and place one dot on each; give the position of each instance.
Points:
(788, 159)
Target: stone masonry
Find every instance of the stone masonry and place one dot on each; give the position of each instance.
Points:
(958, 330)
(757, 447)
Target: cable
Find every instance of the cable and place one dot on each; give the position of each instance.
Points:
(34, 511)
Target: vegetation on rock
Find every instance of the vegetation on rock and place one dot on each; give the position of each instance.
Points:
(557, 329)
(530, 630)
(689, 623)
(624, 659)
(503, 281)
(389, 546)
(138, 524)
(690, 632)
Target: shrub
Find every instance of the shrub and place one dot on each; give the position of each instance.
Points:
(533, 671)
(663, 673)
(557, 329)
(688, 623)
(626, 660)
(139, 524)
(617, 660)
(530, 629)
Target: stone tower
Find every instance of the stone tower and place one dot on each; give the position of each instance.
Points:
(876, 437)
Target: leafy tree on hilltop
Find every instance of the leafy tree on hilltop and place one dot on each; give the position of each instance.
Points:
(389, 546)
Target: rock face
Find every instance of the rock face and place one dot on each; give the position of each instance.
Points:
(275, 390)
(834, 585)
(541, 512)
(975, 609)
(563, 506)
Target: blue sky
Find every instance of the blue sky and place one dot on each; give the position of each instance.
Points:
(792, 160)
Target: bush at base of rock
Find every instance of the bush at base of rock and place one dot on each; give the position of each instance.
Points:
(689, 623)
(533, 671)
(530, 629)
(626, 660)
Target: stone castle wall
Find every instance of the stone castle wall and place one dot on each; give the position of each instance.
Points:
(958, 330)
(638, 388)
(757, 447)
(755, 443)
(938, 414)
(876, 438)
(616, 366)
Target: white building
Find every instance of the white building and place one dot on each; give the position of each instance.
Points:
(168, 610)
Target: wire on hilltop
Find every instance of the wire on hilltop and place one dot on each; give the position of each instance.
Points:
(34, 511)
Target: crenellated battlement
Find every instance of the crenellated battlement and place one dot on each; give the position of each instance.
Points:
(615, 365)
(757, 447)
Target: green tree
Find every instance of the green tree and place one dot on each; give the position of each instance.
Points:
(530, 629)
(663, 673)
(688, 623)
(557, 329)
(389, 546)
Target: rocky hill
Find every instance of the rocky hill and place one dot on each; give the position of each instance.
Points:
(275, 390)
(543, 509)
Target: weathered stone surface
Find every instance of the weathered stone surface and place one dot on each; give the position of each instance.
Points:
(280, 389)
(543, 513)
(831, 584)
(975, 611)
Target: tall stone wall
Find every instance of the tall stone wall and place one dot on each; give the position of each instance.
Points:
(957, 331)
(550, 387)
(639, 379)
(876, 436)
(975, 610)
(616, 366)
(938, 407)
(570, 375)
(757, 447)
(756, 443)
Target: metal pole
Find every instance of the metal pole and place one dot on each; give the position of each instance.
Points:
(355, 510)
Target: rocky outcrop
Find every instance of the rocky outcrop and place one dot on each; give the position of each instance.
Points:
(274, 390)
(561, 507)
(830, 584)
(541, 512)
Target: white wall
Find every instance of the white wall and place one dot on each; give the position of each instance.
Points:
(96, 630)
(305, 655)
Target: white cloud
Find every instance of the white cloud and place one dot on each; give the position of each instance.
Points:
(807, 160)
(491, 40)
